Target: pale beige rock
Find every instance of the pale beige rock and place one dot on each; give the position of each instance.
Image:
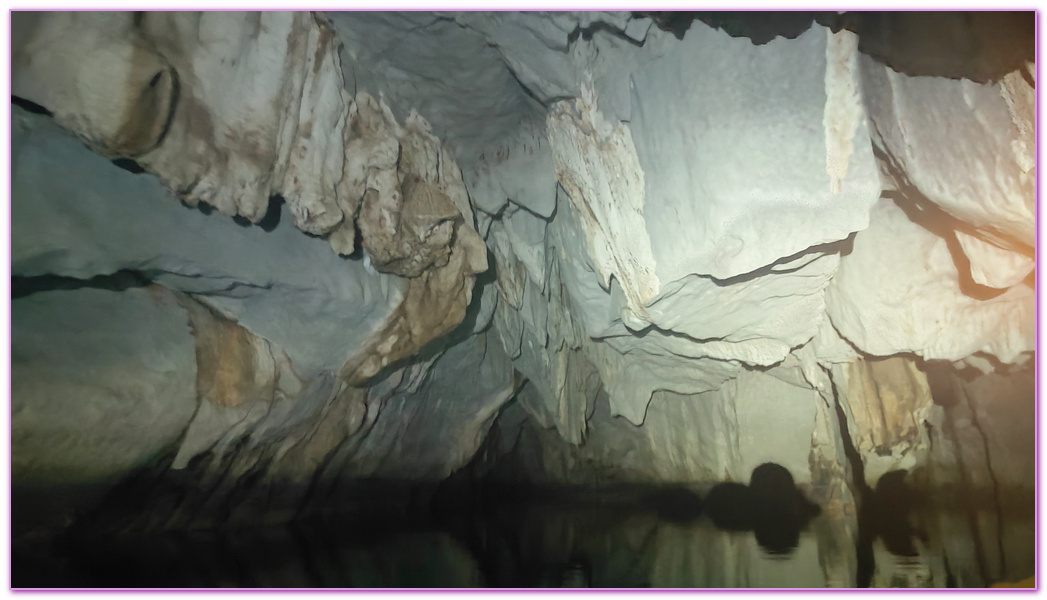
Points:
(255, 99)
(843, 109)
(887, 403)
(597, 165)
(233, 366)
(98, 76)
(746, 189)
(963, 145)
(992, 265)
(435, 302)
(888, 297)
(371, 152)
(261, 109)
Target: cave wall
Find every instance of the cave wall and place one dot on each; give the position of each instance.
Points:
(102, 381)
(669, 255)
(982, 459)
(264, 321)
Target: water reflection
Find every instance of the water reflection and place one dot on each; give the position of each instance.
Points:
(327, 554)
(771, 506)
(535, 543)
(766, 534)
(615, 537)
(888, 514)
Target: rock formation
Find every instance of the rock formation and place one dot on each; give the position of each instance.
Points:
(536, 248)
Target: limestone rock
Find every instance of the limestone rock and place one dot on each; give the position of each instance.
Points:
(964, 146)
(275, 132)
(888, 405)
(79, 216)
(690, 249)
(889, 298)
(214, 75)
(728, 434)
(428, 431)
(102, 383)
(723, 195)
(232, 365)
(121, 111)
(435, 303)
(414, 206)
(597, 166)
(982, 446)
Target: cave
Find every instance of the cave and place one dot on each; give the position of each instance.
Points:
(523, 299)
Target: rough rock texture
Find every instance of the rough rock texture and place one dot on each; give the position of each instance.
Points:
(694, 248)
(692, 311)
(233, 366)
(799, 92)
(79, 216)
(730, 434)
(293, 132)
(286, 456)
(888, 406)
(433, 412)
(196, 58)
(274, 314)
(891, 298)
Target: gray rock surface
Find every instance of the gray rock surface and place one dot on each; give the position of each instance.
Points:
(79, 216)
(687, 253)
(102, 383)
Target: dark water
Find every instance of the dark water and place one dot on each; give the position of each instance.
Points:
(631, 538)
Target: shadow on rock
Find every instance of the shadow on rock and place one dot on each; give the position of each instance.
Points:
(770, 506)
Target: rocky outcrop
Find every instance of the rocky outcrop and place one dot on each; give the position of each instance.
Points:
(270, 317)
(233, 366)
(888, 407)
(635, 248)
(294, 132)
(79, 216)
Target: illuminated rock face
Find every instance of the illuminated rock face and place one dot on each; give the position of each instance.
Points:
(257, 100)
(670, 257)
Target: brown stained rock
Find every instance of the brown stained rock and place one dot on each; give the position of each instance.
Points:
(887, 402)
(303, 452)
(434, 304)
(150, 110)
(597, 165)
(233, 366)
(892, 391)
(371, 152)
(101, 80)
(415, 222)
(413, 198)
(422, 237)
(230, 109)
(225, 108)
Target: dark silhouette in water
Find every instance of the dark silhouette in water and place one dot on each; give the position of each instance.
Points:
(731, 506)
(676, 504)
(770, 506)
(887, 514)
